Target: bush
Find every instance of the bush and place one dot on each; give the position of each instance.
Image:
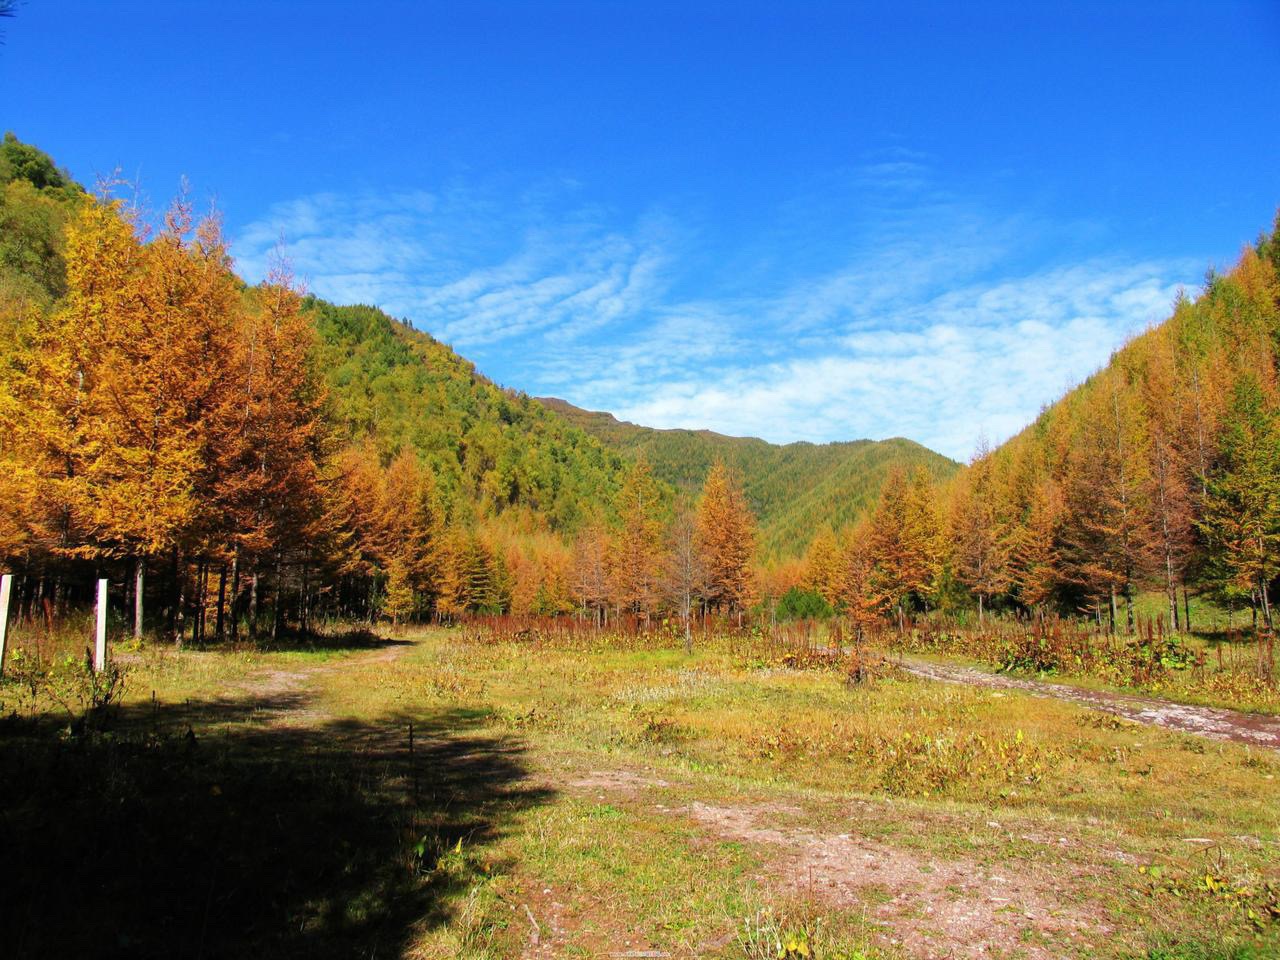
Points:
(798, 604)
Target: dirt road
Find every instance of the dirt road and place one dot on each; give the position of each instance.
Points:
(1255, 729)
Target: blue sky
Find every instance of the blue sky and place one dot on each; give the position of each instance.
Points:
(796, 221)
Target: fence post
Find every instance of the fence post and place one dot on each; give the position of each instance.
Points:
(6, 584)
(100, 644)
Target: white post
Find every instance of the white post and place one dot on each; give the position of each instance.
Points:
(100, 647)
(6, 583)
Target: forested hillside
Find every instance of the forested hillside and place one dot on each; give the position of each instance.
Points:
(163, 418)
(1160, 471)
(244, 454)
(491, 450)
(793, 489)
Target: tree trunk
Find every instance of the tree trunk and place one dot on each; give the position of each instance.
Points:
(139, 578)
(220, 623)
(1186, 608)
(979, 609)
(304, 599)
(688, 633)
(277, 612)
(202, 598)
(179, 607)
(253, 605)
(235, 595)
(1266, 601)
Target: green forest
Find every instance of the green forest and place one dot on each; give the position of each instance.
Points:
(793, 489)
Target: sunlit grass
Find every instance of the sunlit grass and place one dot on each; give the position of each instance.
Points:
(626, 744)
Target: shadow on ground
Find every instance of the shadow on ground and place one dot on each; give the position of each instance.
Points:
(197, 831)
(336, 642)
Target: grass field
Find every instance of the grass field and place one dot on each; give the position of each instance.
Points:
(579, 800)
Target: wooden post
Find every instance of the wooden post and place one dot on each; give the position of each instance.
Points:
(6, 584)
(100, 642)
(139, 575)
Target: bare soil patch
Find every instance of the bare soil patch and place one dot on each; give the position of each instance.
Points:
(619, 781)
(286, 695)
(930, 906)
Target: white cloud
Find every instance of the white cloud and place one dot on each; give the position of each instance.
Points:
(979, 360)
(452, 266)
(938, 321)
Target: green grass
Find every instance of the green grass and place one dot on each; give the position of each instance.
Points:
(627, 801)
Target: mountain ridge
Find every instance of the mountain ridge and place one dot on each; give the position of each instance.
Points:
(794, 488)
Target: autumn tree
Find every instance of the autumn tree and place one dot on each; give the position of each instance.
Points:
(684, 578)
(823, 568)
(267, 478)
(453, 587)
(861, 594)
(1108, 535)
(1169, 475)
(407, 532)
(726, 541)
(904, 539)
(128, 372)
(636, 555)
(1242, 506)
(979, 534)
(590, 576)
(1034, 561)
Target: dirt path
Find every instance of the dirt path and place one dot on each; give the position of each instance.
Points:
(288, 695)
(1254, 729)
(927, 905)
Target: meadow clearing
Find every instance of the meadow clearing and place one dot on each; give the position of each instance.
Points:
(465, 793)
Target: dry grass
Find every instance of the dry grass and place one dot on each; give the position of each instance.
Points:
(893, 818)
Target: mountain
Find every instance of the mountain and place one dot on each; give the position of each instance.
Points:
(493, 451)
(795, 489)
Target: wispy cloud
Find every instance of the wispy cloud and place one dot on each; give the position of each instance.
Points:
(978, 360)
(459, 267)
(928, 317)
